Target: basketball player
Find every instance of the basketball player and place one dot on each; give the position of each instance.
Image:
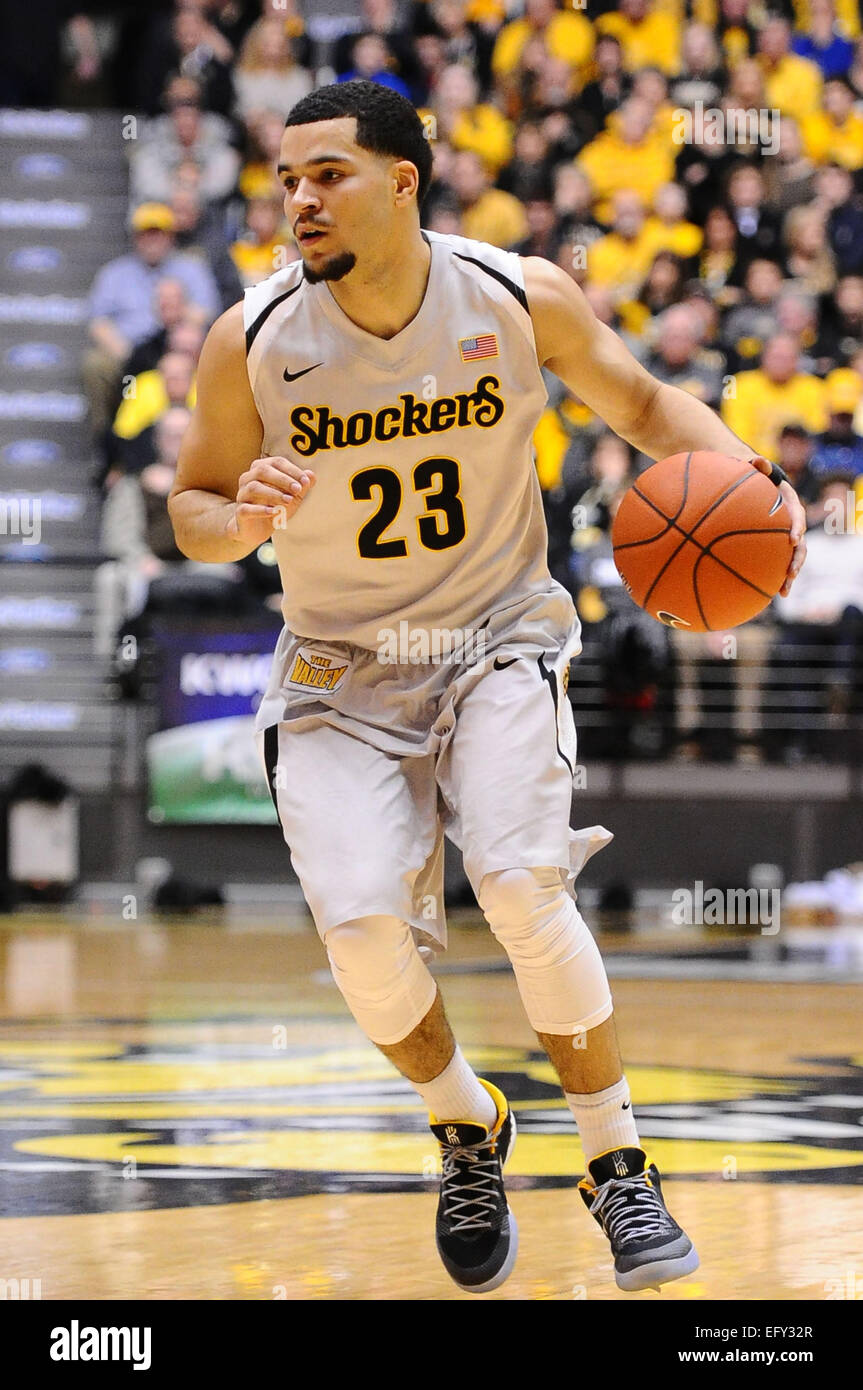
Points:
(370, 407)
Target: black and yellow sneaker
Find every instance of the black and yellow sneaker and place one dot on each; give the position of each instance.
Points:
(476, 1234)
(624, 1193)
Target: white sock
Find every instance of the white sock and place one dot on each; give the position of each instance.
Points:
(457, 1095)
(605, 1120)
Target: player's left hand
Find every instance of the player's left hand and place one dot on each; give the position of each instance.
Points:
(798, 524)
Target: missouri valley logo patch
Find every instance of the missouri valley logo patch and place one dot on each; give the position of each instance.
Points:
(316, 671)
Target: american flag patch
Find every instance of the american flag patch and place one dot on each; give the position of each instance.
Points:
(485, 345)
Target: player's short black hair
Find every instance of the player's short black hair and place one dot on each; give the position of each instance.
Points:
(386, 122)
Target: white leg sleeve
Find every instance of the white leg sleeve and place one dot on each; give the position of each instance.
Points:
(381, 975)
(558, 968)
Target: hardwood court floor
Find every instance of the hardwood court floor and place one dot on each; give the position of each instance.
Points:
(187, 1111)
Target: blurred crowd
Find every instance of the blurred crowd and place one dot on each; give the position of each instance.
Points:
(696, 166)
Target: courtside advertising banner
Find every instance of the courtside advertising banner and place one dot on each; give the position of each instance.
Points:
(203, 765)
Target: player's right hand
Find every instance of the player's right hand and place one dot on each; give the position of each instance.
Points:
(268, 494)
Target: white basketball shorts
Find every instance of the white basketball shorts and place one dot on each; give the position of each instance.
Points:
(370, 763)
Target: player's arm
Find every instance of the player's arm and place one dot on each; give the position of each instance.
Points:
(597, 366)
(226, 499)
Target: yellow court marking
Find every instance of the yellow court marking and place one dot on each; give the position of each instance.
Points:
(90, 1070)
(364, 1151)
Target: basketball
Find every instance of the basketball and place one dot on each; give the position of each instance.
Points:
(702, 542)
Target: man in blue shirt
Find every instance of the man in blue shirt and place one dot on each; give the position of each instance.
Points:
(823, 44)
(123, 303)
(840, 448)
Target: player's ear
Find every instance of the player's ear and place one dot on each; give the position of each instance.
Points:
(405, 182)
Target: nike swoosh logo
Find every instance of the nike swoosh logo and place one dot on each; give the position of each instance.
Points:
(292, 376)
(502, 665)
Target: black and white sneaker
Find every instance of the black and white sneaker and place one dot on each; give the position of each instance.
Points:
(624, 1194)
(476, 1234)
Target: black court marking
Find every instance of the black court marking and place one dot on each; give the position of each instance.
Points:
(89, 1176)
(515, 290)
(271, 758)
(254, 328)
(548, 677)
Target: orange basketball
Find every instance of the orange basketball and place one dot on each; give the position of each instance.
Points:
(702, 541)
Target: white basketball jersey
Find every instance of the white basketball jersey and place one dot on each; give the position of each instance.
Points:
(427, 507)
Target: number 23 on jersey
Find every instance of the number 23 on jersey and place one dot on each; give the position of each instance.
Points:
(437, 480)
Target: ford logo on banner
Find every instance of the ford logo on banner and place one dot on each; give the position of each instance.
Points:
(34, 260)
(16, 661)
(34, 357)
(43, 611)
(45, 125)
(42, 166)
(31, 453)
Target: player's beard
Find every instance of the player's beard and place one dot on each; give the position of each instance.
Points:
(336, 268)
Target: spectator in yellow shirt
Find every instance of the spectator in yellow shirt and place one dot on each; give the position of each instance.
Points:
(792, 85)
(834, 135)
(564, 34)
(628, 157)
(457, 117)
(760, 402)
(620, 260)
(487, 214)
(150, 393)
(488, 12)
(266, 244)
(557, 427)
(649, 36)
(668, 225)
(651, 85)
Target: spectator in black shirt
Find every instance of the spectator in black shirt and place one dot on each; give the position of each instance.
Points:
(759, 231)
(544, 237)
(530, 162)
(701, 77)
(573, 200)
(185, 43)
(841, 332)
(592, 107)
(201, 231)
(794, 455)
(835, 192)
(463, 40)
(172, 307)
(702, 169)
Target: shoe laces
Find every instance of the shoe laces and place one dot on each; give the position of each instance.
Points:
(630, 1209)
(470, 1185)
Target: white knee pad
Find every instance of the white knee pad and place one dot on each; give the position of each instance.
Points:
(558, 968)
(381, 975)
